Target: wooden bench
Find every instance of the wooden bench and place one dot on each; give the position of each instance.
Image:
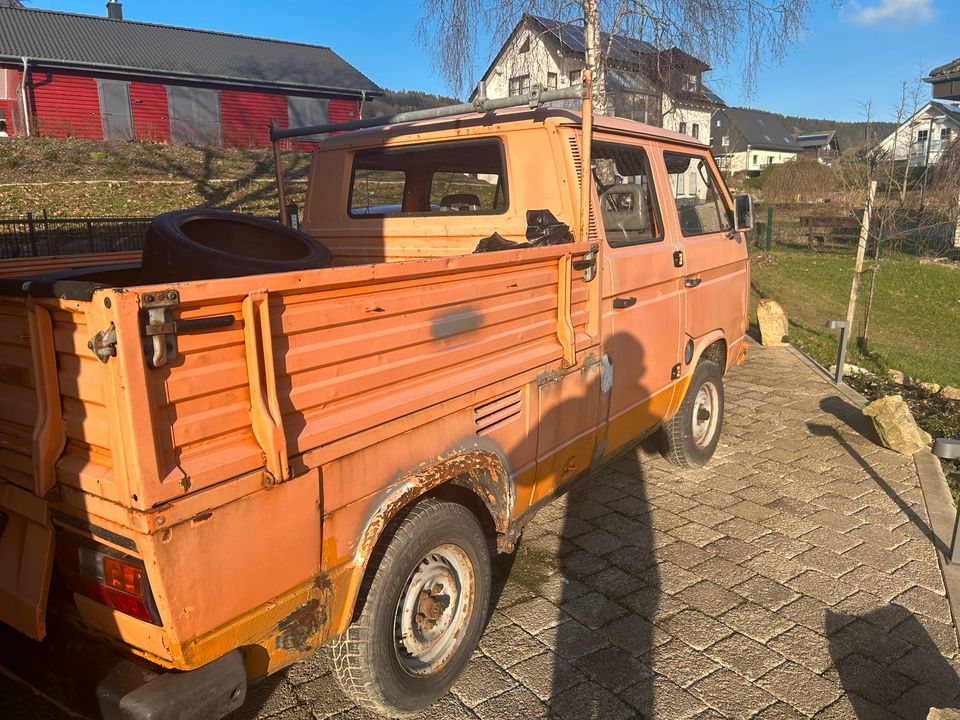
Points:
(820, 228)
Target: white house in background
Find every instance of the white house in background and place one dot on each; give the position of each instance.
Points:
(658, 87)
(751, 140)
(924, 137)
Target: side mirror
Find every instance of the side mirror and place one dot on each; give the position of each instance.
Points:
(742, 213)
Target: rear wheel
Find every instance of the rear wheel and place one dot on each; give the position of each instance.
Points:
(423, 614)
(693, 433)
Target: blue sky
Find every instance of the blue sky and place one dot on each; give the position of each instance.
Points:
(847, 55)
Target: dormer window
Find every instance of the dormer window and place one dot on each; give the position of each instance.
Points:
(691, 83)
(525, 45)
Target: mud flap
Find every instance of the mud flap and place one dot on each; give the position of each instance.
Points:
(26, 560)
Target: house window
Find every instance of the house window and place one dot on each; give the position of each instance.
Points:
(922, 135)
(944, 133)
(756, 159)
(683, 128)
(769, 159)
(576, 77)
(519, 85)
(524, 46)
(551, 81)
(725, 141)
(690, 83)
(695, 130)
(718, 123)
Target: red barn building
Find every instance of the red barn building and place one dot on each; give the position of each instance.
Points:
(63, 74)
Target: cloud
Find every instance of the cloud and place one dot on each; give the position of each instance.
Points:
(894, 12)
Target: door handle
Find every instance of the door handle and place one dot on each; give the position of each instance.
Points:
(624, 302)
(692, 281)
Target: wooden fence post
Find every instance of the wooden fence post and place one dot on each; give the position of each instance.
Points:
(861, 253)
(956, 232)
(769, 228)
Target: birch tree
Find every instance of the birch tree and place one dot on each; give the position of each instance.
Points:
(749, 33)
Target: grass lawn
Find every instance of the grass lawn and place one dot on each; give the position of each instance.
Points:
(916, 315)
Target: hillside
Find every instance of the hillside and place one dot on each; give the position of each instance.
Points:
(398, 101)
(849, 134)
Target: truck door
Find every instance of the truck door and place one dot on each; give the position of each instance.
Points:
(715, 258)
(641, 303)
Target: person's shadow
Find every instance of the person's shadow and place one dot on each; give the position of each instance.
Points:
(889, 665)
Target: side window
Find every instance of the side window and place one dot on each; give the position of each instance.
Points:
(700, 205)
(628, 205)
(450, 177)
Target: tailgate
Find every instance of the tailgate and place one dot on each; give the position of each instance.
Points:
(30, 440)
(26, 559)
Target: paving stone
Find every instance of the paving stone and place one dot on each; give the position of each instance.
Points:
(876, 557)
(731, 695)
(706, 515)
(800, 688)
(323, 696)
(518, 703)
(803, 646)
(632, 633)
(598, 542)
(672, 578)
(593, 610)
(589, 700)
(922, 601)
(685, 555)
(546, 675)
(510, 645)
(779, 711)
(741, 529)
(734, 549)
(927, 665)
(756, 622)
(269, 696)
(918, 700)
(834, 520)
(695, 628)
(744, 656)
(613, 582)
(709, 598)
(925, 574)
(850, 706)
(822, 587)
(320, 662)
(775, 567)
(657, 697)
(571, 639)
(681, 664)
(924, 632)
(723, 572)
(481, 680)
(868, 679)
(832, 540)
(766, 592)
(534, 615)
(612, 667)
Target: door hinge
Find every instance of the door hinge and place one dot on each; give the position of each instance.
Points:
(675, 372)
(678, 258)
(104, 343)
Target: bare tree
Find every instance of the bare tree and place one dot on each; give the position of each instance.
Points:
(709, 29)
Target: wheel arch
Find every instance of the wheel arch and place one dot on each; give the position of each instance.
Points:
(477, 479)
(712, 346)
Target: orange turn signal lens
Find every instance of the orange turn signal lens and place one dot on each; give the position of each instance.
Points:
(123, 576)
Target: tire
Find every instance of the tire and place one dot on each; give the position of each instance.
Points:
(203, 244)
(438, 546)
(693, 433)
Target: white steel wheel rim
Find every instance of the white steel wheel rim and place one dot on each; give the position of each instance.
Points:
(706, 414)
(434, 609)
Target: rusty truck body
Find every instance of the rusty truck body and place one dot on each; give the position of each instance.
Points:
(211, 478)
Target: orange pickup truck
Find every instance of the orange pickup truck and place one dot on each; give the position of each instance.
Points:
(206, 474)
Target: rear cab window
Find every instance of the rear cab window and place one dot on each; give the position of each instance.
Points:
(700, 204)
(628, 206)
(465, 177)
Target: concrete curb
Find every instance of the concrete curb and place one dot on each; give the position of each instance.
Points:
(933, 485)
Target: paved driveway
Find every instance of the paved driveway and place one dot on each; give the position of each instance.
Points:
(792, 577)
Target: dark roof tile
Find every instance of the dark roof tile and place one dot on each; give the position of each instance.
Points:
(148, 49)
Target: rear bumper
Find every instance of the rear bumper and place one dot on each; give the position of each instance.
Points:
(93, 679)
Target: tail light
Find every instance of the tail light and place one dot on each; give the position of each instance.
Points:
(111, 578)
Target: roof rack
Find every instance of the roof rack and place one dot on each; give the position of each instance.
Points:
(481, 104)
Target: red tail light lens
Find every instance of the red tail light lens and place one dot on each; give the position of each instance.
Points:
(105, 575)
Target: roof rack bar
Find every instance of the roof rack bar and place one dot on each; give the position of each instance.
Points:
(481, 104)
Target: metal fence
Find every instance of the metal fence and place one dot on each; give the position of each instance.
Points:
(41, 235)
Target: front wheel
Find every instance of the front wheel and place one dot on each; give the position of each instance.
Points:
(424, 612)
(693, 433)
